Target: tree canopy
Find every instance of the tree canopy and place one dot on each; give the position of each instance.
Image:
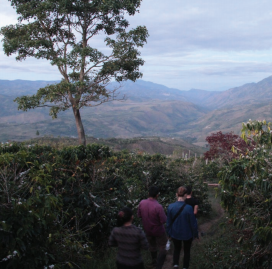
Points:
(62, 32)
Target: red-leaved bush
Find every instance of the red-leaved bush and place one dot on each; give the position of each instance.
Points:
(227, 146)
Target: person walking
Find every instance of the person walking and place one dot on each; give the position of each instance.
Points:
(192, 201)
(153, 220)
(130, 240)
(181, 227)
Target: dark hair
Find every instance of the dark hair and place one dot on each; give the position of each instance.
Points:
(189, 189)
(181, 191)
(124, 216)
(153, 191)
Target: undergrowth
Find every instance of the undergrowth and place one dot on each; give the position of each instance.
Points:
(217, 248)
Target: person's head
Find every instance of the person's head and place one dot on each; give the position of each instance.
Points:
(124, 216)
(182, 192)
(153, 191)
(189, 190)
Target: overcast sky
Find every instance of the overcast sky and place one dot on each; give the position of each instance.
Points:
(210, 45)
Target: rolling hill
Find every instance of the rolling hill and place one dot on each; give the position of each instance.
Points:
(227, 120)
(159, 118)
(150, 110)
(251, 93)
(21, 87)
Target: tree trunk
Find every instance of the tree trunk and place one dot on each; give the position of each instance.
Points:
(80, 128)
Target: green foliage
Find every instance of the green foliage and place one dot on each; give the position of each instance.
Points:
(213, 253)
(211, 170)
(58, 206)
(61, 32)
(246, 195)
(142, 171)
(190, 173)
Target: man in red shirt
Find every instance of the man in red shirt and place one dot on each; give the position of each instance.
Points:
(153, 219)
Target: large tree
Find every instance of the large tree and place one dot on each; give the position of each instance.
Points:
(62, 31)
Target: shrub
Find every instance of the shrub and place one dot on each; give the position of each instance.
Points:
(59, 206)
(226, 146)
(246, 195)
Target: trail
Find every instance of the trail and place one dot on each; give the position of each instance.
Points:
(203, 229)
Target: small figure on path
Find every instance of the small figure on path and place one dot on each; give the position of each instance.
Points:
(192, 201)
(153, 219)
(130, 240)
(181, 227)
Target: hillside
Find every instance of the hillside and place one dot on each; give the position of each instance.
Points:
(159, 118)
(200, 97)
(251, 93)
(175, 147)
(149, 110)
(227, 120)
(142, 91)
(21, 87)
(139, 91)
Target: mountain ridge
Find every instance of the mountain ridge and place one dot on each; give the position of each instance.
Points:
(150, 109)
(252, 93)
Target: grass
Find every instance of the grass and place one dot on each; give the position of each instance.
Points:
(216, 207)
(218, 248)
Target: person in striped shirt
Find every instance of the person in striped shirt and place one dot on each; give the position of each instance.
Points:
(130, 240)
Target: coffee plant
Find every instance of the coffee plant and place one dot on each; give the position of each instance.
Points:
(246, 195)
(58, 206)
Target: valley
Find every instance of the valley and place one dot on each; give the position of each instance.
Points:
(149, 109)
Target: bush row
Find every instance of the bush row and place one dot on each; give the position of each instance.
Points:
(246, 195)
(59, 206)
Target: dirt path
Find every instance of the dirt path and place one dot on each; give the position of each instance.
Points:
(203, 228)
(206, 226)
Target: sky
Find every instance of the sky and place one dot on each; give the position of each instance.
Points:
(210, 45)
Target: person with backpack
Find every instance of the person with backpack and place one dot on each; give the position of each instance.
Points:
(130, 240)
(181, 227)
(153, 220)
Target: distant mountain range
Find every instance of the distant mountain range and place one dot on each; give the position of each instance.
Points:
(21, 87)
(150, 109)
(251, 93)
(147, 91)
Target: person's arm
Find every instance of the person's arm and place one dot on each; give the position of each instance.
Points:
(196, 203)
(162, 215)
(112, 240)
(169, 221)
(144, 243)
(193, 222)
(195, 209)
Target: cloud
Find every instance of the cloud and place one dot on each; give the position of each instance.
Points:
(238, 70)
(8, 14)
(211, 44)
(211, 24)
